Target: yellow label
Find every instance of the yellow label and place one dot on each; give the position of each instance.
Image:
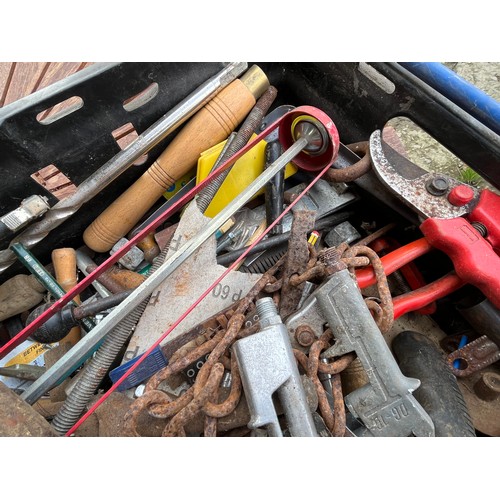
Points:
(28, 355)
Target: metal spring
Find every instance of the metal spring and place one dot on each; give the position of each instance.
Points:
(95, 371)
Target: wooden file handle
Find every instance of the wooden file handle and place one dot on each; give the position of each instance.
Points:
(64, 261)
(209, 126)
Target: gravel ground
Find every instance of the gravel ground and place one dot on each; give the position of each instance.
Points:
(423, 150)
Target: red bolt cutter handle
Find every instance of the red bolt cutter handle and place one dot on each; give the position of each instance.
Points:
(416, 299)
(394, 260)
(473, 257)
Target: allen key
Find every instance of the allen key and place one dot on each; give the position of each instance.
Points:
(311, 141)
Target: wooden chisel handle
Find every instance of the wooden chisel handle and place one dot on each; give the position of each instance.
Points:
(211, 125)
(64, 261)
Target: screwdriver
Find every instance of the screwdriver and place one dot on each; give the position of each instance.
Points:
(116, 165)
(212, 124)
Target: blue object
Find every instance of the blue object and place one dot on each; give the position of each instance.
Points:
(463, 341)
(463, 93)
(154, 362)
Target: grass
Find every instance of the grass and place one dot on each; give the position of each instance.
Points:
(469, 176)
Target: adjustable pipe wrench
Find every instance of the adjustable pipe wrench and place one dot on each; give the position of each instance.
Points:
(459, 220)
(385, 405)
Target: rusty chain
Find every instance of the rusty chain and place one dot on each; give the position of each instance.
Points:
(202, 398)
(203, 395)
(334, 418)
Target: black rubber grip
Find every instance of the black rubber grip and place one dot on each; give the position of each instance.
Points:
(438, 393)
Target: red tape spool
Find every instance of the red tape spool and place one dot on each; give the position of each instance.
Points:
(305, 160)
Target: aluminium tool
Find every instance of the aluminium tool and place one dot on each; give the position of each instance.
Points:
(312, 146)
(102, 177)
(458, 219)
(267, 366)
(385, 405)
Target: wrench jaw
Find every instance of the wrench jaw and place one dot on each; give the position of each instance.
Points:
(260, 378)
(409, 183)
(382, 420)
(267, 366)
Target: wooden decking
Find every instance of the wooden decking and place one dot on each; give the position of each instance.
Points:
(19, 79)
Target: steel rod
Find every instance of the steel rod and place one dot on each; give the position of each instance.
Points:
(102, 177)
(73, 359)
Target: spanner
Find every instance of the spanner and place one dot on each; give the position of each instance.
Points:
(267, 365)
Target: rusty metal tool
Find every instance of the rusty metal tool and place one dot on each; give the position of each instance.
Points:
(313, 145)
(267, 365)
(296, 261)
(169, 122)
(475, 355)
(385, 405)
(459, 220)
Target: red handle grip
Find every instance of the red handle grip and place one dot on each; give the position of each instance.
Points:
(473, 257)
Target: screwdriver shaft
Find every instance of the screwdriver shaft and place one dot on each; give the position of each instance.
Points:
(97, 181)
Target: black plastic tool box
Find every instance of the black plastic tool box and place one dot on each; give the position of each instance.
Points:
(81, 142)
